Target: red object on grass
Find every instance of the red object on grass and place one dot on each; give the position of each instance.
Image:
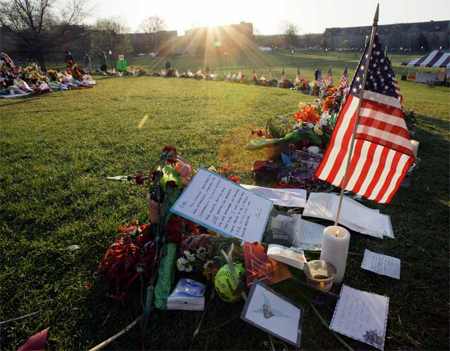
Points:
(36, 342)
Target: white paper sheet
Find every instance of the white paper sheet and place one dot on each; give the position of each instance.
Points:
(292, 257)
(362, 316)
(223, 206)
(280, 197)
(353, 214)
(381, 264)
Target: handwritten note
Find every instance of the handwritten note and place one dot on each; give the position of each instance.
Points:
(224, 207)
(362, 316)
(381, 264)
(280, 197)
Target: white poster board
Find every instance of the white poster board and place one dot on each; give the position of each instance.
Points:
(223, 206)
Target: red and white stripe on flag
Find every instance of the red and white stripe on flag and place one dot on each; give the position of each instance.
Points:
(382, 151)
(397, 89)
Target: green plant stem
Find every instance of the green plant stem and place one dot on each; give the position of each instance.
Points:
(325, 324)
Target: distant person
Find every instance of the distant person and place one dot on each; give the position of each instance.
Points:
(103, 65)
(68, 59)
(316, 74)
(87, 60)
(207, 69)
(167, 65)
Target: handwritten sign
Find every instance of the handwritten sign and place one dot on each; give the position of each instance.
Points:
(381, 264)
(224, 207)
(362, 316)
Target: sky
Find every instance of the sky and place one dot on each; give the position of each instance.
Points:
(311, 16)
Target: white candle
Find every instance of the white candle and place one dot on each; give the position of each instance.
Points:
(415, 147)
(335, 248)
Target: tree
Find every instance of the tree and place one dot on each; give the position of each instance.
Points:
(109, 34)
(422, 43)
(39, 28)
(325, 41)
(153, 26)
(290, 32)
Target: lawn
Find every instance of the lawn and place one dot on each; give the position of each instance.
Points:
(56, 150)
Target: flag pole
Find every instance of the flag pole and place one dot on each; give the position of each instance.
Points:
(358, 111)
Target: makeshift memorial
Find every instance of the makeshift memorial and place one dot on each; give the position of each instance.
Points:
(381, 264)
(320, 274)
(336, 241)
(273, 313)
(362, 316)
(223, 206)
(22, 81)
(225, 284)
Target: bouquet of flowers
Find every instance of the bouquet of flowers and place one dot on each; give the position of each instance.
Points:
(303, 86)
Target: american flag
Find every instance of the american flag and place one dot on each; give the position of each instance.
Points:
(298, 78)
(328, 80)
(344, 79)
(382, 152)
(320, 78)
(283, 77)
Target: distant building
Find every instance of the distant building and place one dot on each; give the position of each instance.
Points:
(153, 42)
(434, 34)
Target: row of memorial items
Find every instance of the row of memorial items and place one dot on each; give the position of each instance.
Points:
(19, 81)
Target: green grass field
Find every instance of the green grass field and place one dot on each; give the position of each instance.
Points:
(56, 150)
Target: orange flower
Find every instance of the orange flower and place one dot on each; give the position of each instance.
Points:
(328, 103)
(331, 90)
(308, 115)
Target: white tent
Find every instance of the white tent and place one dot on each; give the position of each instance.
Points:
(435, 59)
(265, 48)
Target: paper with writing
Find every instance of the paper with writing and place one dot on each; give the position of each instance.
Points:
(362, 316)
(309, 236)
(223, 206)
(353, 214)
(381, 264)
(280, 197)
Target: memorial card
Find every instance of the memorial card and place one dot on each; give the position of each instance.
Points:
(381, 264)
(224, 207)
(362, 316)
(273, 313)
